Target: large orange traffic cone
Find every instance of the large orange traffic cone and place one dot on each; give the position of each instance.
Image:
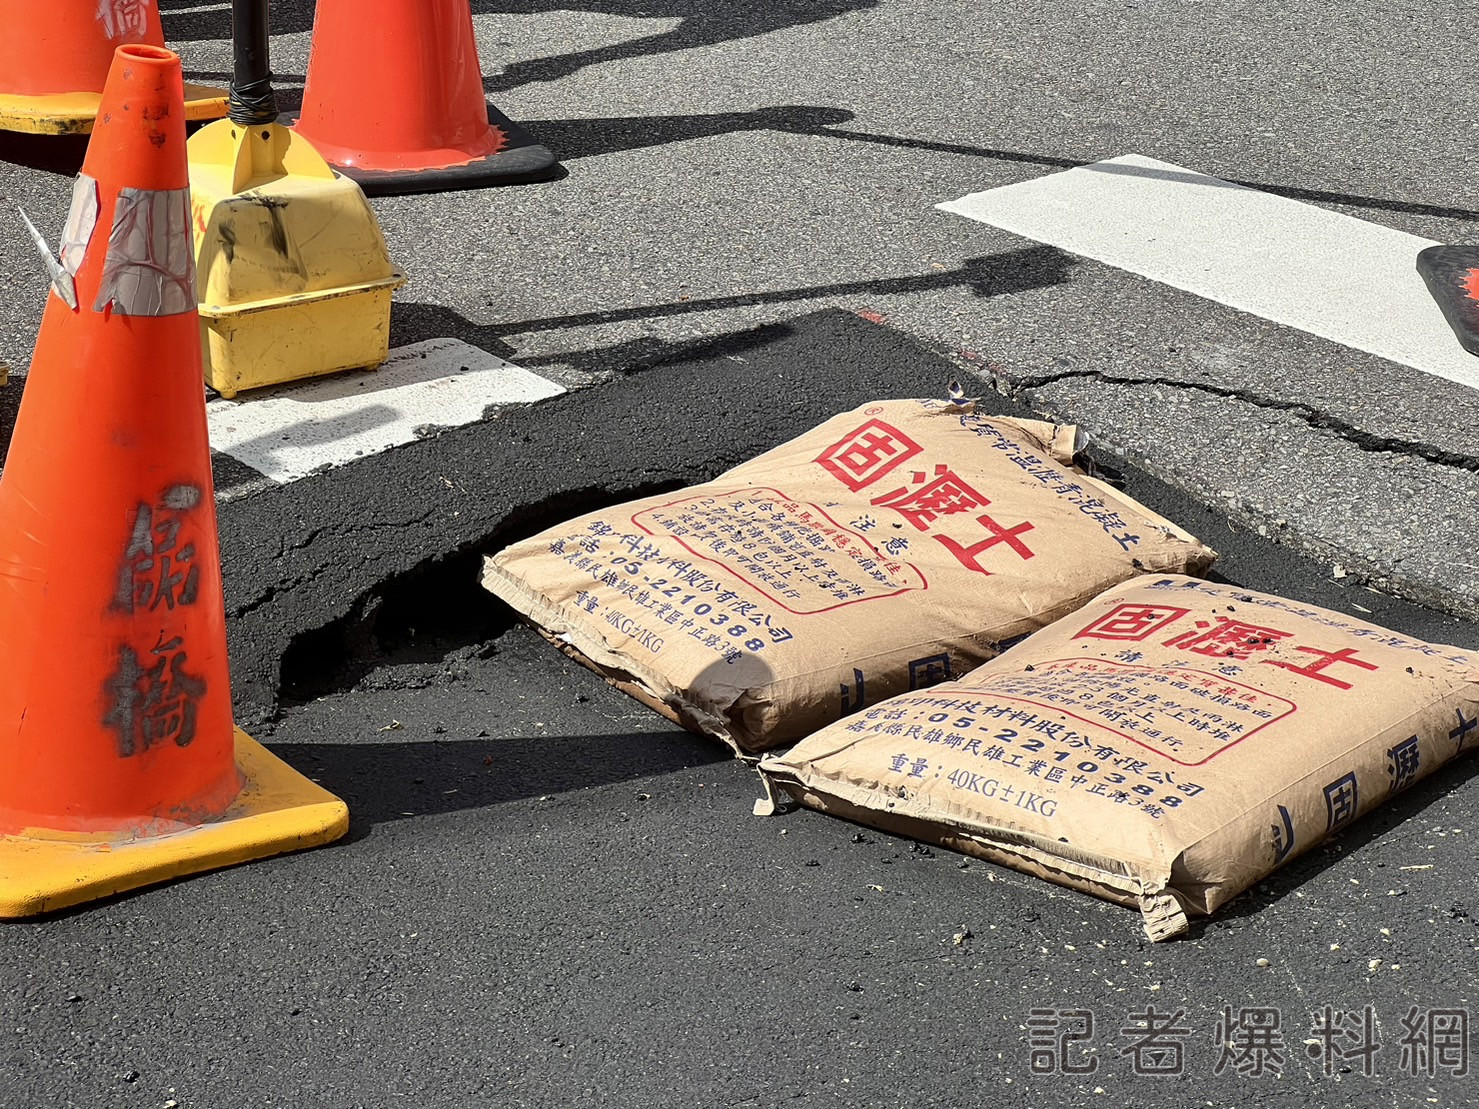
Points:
(119, 764)
(394, 99)
(55, 56)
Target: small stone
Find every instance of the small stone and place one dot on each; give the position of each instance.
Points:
(1261, 963)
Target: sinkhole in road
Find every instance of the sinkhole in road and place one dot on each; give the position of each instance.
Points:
(427, 622)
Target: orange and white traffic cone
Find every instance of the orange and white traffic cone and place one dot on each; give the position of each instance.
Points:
(54, 58)
(394, 99)
(119, 764)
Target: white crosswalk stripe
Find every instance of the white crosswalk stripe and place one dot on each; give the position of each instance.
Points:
(1326, 273)
(293, 431)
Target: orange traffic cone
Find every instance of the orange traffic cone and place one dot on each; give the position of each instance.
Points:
(119, 764)
(394, 99)
(54, 58)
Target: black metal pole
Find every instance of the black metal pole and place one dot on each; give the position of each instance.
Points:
(252, 100)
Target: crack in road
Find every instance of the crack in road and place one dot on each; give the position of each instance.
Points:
(1322, 421)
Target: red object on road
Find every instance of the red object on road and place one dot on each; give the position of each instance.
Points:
(119, 762)
(110, 583)
(62, 48)
(394, 99)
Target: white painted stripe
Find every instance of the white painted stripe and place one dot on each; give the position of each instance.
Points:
(1329, 274)
(293, 431)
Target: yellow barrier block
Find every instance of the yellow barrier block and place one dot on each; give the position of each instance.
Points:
(293, 275)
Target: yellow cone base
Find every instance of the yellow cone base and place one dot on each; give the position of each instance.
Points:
(277, 811)
(73, 113)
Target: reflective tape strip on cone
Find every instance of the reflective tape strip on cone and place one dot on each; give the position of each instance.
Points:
(115, 713)
(54, 59)
(394, 99)
(1452, 276)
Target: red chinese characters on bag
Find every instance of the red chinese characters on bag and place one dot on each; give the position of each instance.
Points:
(1221, 637)
(876, 448)
(1133, 623)
(1228, 639)
(867, 454)
(949, 495)
(969, 554)
(1330, 658)
(946, 495)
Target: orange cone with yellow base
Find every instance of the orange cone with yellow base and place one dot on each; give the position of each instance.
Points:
(119, 763)
(55, 56)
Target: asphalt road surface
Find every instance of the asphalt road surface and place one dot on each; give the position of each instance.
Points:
(549, 895)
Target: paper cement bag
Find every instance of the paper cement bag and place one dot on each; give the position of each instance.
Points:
(895, 546)
(1167, 746)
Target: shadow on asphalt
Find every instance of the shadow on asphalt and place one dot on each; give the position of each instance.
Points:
(1293, 192)
(1013, 271)
(476, 773)
(191, 21)
(59, 154)
(10, 403)
(701, 23)
(571, 139)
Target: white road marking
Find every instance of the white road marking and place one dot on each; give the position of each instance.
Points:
(1329, 274)
(290, 432)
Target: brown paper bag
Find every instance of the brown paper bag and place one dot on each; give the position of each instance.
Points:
(895, 546)
(1167, 746)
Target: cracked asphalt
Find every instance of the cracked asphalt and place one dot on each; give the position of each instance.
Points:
(549, 896)
(731, 168)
